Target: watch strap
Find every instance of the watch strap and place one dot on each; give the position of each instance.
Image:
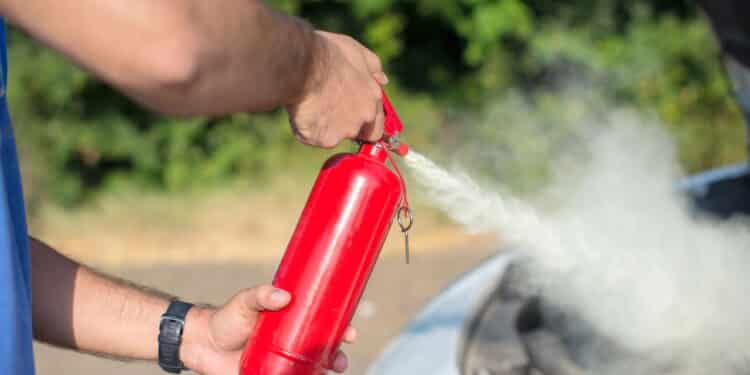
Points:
(171, 326)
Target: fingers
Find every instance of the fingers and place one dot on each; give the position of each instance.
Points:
(340, 363)
(373, 61)
(373, 131)
(375, 66)
(350, 335)
(381, 78)
(347, 103)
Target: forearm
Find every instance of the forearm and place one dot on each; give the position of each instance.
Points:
(252, 59)
(181, 57)
(77, 308)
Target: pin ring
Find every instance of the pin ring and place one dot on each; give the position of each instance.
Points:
(404, 214)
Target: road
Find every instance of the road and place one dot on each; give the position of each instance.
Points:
(395, 293)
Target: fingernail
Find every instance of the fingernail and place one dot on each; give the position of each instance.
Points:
(380, 78)
(351, 334)
(280, 296)
(341, 363)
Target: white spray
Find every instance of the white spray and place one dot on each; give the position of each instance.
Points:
(624, 252)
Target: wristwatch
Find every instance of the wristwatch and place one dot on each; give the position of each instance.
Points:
(171, 326)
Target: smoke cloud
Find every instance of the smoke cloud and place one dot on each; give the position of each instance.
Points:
(621, 250)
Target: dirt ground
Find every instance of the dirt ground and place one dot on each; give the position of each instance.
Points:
(395, 293)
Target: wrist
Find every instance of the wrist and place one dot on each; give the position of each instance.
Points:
(313, 69)
(195, 337)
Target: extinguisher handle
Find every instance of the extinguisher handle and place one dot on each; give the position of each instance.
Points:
(392, 125)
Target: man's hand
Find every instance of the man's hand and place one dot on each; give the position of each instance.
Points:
(342, 96)
(75, 307)
(214, 58)
(214, 339)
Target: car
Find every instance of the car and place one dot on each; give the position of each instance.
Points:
(489, 323)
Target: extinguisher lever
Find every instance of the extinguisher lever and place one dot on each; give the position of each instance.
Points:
(392, 128)
(392, 125)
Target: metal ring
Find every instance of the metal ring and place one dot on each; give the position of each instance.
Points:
(403, 214)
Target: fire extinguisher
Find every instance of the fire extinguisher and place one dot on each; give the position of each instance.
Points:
(330, 257)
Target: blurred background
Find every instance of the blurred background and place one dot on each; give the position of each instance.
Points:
(501, 85)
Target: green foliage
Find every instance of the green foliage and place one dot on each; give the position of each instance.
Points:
(512, 60)
(665, 64)
(84, 137)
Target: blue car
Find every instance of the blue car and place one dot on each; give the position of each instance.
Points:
(488, 323)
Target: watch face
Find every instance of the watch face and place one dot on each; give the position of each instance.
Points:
(171, 329)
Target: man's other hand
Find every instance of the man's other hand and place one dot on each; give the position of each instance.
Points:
(214, 339)
(342, 96)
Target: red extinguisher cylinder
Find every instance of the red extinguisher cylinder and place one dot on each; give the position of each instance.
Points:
(326, 265)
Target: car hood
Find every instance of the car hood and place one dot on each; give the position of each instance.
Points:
(430, 344)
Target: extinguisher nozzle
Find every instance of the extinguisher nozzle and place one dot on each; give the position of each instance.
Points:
(402, 149)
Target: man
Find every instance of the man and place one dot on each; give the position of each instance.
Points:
(189, 57)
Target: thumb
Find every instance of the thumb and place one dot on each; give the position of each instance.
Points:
(232, 324)
(266, 297)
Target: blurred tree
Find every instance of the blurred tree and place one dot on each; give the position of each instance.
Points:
(447, 58)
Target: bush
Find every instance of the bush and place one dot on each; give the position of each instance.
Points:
(448, 59)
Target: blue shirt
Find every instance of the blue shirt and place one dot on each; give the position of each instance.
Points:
(16, 353)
